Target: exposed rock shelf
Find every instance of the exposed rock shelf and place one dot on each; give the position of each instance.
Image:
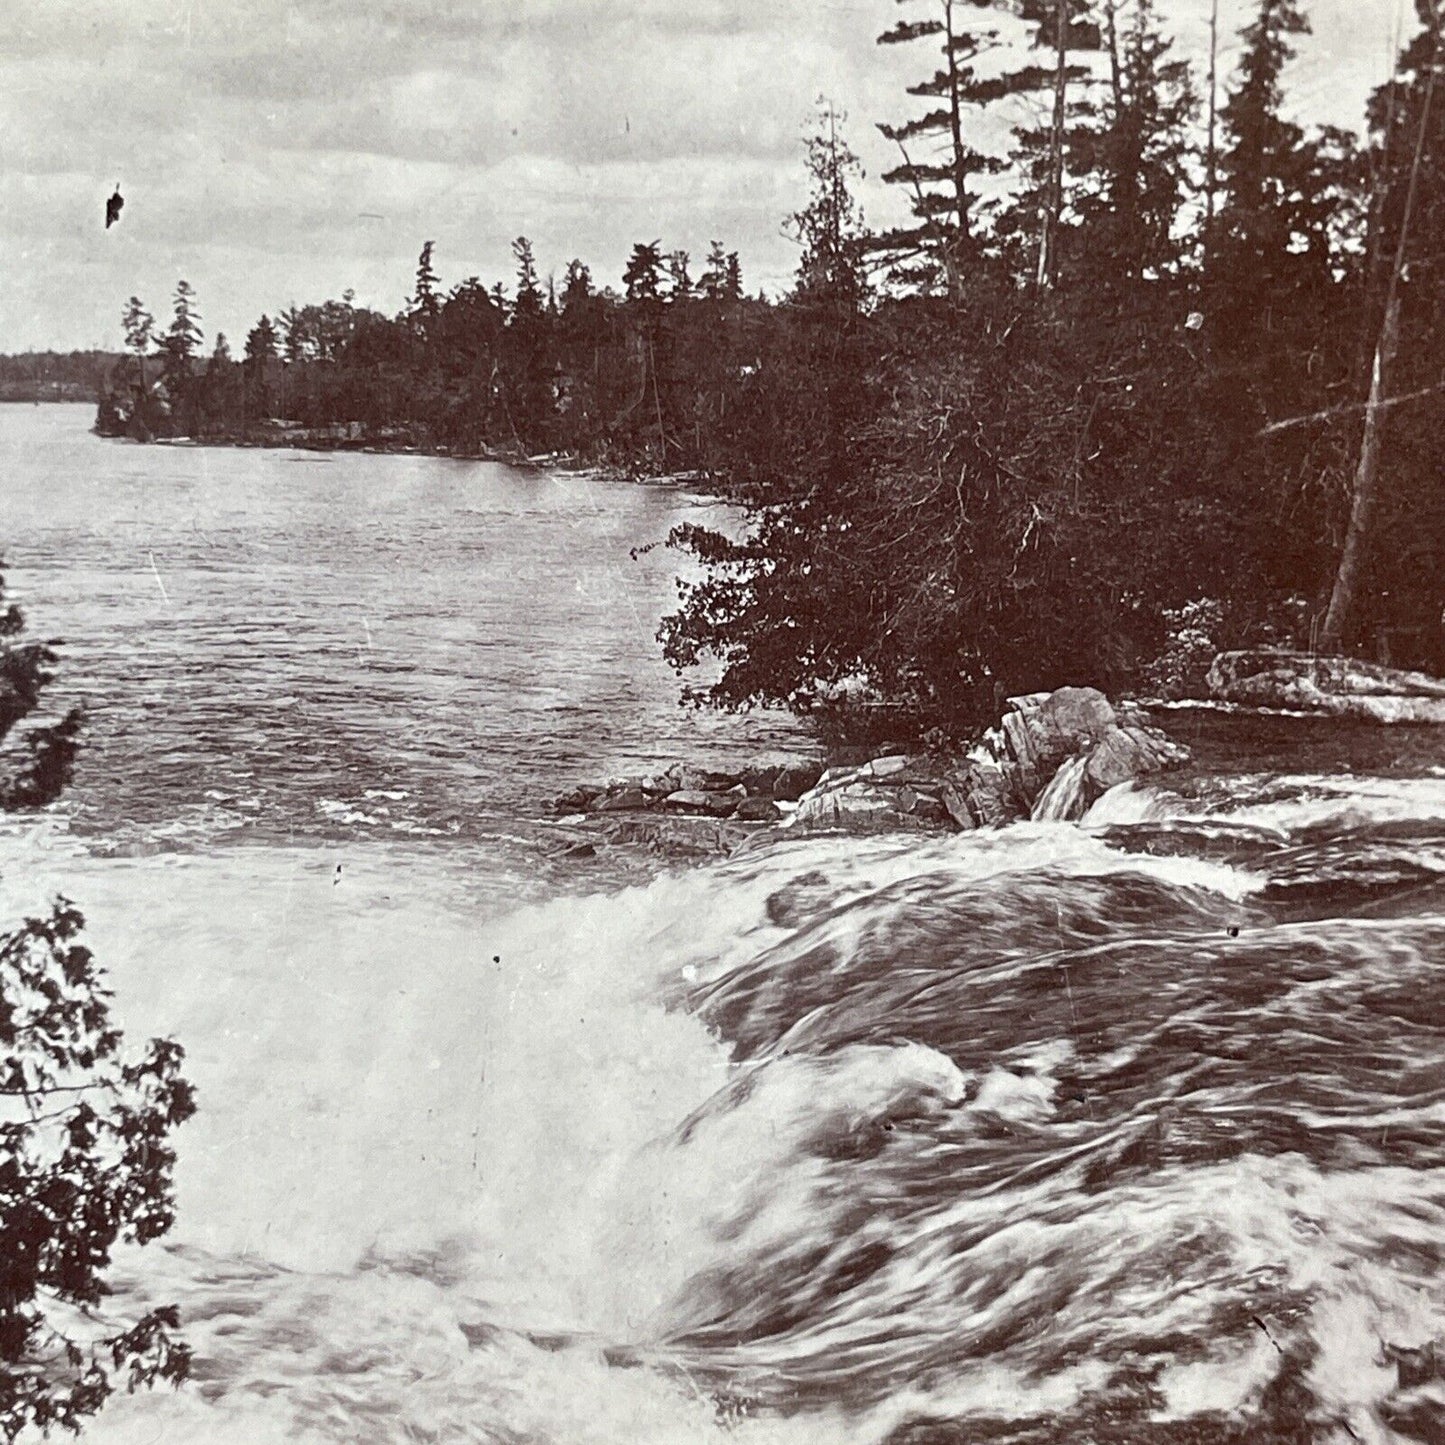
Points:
(1331, 686)
(1049, 757)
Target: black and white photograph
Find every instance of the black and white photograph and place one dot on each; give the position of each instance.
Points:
(722, 722)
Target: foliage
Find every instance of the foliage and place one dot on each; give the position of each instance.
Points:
(84, 1164)
(829, 228)
(1128, 154)
(139, 326)
(426, 302)
(1192, 636)
(943, 167)
(85, 1161)
(995, 499)
(47, 752)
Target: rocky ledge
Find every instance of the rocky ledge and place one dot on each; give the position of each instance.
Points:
(1332, 686)
(755, 795)
(1048, 758)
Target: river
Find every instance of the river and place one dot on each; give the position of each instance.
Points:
(1131, 1131)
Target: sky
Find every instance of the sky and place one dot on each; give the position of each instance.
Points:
(280, 151)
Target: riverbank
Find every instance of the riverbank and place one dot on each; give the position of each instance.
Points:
(641, 466)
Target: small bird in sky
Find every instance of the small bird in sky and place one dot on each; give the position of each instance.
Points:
(113, 207)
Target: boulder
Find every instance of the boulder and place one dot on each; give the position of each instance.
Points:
(981, 796)
(929, 809)
(794, 780)
(619, 800)
(577, 799)
(957, 808)
(1332, 686)
(1126, 753)
(885, 767)
(758, 810)
(854, 804)
(684, 778)
(1050, 756)
(1081, 714)
(1023, 751)
(690, 800)
(675, 838)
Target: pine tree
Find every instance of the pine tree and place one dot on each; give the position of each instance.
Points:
(528, 306)
(1272, 202)
(260, 353)
(577, 289)
(294, 342)
(830, 226)
(733, 278)
(139, 327)
(1066, 26)
(182, 338)
(177, 347)
(1133, 156)
(426, 301)
(713, 281)
(261, 342)
(942, 187)
(643, 276)
(679, 276)
(944, 183)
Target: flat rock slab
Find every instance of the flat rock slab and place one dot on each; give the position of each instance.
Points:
(1333, 686)
(713, 805)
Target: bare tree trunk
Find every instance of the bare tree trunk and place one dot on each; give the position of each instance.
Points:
(1344, 598)
(960, 167)
(1048, 248)
(1116, 75)
(1211, 150)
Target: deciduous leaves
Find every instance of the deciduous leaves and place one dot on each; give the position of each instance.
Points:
(85, 1163)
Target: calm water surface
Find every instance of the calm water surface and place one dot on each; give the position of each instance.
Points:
(1125, 1132)
(288, 645)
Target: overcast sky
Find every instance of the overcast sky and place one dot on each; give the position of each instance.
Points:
(273, 151)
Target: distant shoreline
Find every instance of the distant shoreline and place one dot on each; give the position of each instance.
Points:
(316, 440)
(16, 396)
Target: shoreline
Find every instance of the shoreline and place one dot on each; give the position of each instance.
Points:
(312, 439)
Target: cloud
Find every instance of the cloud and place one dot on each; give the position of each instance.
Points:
(286, 149)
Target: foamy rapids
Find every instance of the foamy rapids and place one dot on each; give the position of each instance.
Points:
(1124, 1132)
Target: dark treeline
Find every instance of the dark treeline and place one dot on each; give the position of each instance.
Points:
(55, 375)
(1165, 377)
(638, 376)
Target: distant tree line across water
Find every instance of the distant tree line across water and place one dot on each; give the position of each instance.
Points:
(55, 375)
(1166, 375)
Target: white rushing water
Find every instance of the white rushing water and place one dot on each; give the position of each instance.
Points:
(1053, 1134)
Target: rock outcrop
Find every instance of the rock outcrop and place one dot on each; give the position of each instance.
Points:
(1332, 686)
(754, 795)
(1050, 756)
